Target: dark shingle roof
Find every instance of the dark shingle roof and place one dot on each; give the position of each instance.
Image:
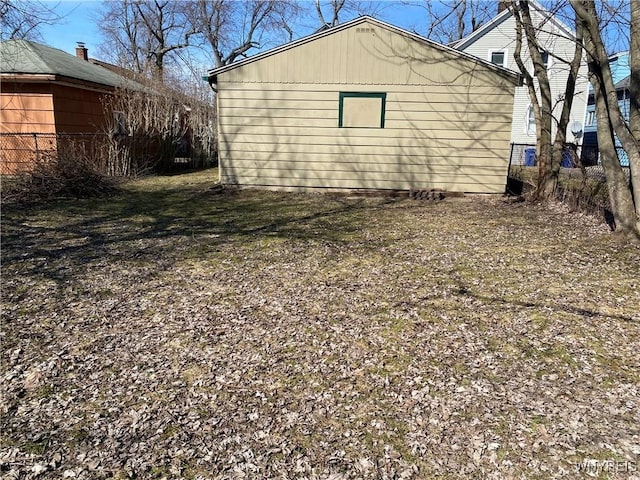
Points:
(26, 57)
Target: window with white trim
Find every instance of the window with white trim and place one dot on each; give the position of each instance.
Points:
(545, 58)
(591, 117)
(530, 121)
(498, 57)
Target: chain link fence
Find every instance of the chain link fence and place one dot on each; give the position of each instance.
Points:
(582, 183)
(586, 155)
(117, 155)
(20, 152)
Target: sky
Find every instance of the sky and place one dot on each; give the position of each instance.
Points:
(78, 24)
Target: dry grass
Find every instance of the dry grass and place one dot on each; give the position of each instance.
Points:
(173, 332)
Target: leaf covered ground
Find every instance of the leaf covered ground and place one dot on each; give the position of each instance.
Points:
(173, 331)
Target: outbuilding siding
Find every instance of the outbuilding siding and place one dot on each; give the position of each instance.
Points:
(447, 118)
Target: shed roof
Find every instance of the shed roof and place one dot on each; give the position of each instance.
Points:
(364, 19)
(25, 57)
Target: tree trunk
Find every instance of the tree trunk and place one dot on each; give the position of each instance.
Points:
(547, 172)
(565, 115)
(548, 165)
(634, 99)
(607, 105)
(619, 194)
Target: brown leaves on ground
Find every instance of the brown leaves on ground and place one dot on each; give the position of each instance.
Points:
(170, 332)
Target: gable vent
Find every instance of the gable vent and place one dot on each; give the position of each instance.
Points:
(364, 30)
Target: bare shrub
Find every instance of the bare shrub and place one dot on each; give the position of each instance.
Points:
(150, 128)
(584, 189)
(70, 171)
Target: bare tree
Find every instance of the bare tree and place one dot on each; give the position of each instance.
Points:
(23, 18)
(120, 26)
(144, 33)
(451, 20)
(334, 9)
(549, 149)
(329, 12)
(623, 195)
(634, 83)
(164, 29)
(231, 29)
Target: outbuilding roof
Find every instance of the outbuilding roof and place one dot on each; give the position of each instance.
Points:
(364, 19)
(23, 57)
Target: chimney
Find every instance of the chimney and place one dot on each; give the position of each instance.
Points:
(82, 52)
(502, 6)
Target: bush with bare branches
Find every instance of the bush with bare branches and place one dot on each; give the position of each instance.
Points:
(69, 171)
(168, 123)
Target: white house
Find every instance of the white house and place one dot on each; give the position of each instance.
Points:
(496, 41)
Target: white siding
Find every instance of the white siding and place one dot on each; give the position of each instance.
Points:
(502, 36)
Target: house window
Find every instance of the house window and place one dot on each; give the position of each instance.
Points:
(591, 117)
(545, 58)
(361, 110)
(530, 121)
(498, 57)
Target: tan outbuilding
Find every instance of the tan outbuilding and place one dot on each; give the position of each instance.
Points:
(364, 105)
